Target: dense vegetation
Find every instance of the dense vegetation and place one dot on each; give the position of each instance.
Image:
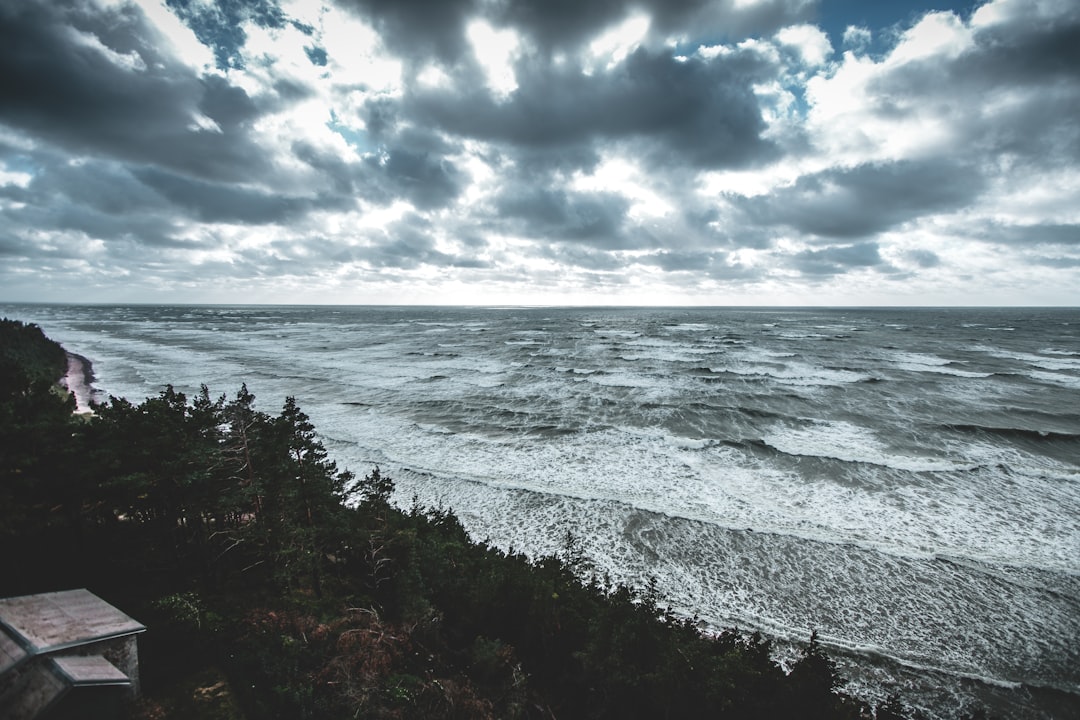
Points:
(233, 536)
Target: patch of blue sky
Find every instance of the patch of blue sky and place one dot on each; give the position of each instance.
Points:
(883, 19)
(359, 140)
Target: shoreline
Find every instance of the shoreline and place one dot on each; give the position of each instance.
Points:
(79, 380)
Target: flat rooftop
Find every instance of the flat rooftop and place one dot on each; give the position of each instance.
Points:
(54, 621)
(90, 670)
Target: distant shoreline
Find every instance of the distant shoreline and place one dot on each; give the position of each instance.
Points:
(79, 380)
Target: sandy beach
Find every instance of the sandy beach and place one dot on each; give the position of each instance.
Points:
(79, 380)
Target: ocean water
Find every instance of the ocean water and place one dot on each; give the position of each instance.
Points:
(906, 482)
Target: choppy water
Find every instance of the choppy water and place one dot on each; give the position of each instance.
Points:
(906, 482)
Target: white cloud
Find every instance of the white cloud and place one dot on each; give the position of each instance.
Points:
(16, 178)
(612, 46)
(939, 35)
(309, 12)
(809, 41)
(200, 122)
(356, 54)
(131, 61)
(433, 76)
(496, 51)
(853, 120)
(621, 176)
(1000, 12)
(175, 37)
(857, 38)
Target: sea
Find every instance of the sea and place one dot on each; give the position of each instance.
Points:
(903, 482)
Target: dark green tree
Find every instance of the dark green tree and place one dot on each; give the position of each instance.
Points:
(310, 492)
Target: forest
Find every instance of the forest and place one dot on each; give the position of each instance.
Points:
(276, 585)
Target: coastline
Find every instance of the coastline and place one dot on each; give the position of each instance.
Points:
(980, 690)
(79, 380)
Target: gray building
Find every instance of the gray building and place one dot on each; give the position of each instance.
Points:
(66, 655)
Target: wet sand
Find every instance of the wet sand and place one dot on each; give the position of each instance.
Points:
(78, 381)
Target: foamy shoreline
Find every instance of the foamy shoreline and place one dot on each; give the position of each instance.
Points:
(78, 380)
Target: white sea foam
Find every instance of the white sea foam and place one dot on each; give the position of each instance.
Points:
(1069, 381)
(850, 443)
(1058, 361)
(794, 374)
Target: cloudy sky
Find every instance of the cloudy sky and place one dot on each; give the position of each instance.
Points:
(540, 151)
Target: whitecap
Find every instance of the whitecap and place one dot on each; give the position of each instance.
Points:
(845, 441)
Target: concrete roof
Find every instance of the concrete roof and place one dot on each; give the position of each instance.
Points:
(83, 670)
(54, 621)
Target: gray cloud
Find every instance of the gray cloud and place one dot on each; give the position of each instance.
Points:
(713, 264)
(557, 215)
(583, 258)
(427, 179)
(837, 259)
(563, 24)
(1027, 65)
(923, 258)
(695, 111)
(867, 199)
(1058, 262)
(1031, 235)
(218, 202)
(100, 199)
(418, 29)
(72, 94)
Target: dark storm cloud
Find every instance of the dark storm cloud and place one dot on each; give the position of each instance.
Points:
(1031, 61)
(428, 180)
(103, 186)
(345, 178)
(698, 111)
(1028, 49)
(407, 243)
(694, 261)
(716, 231)
(564, 24)
(837, 260)
(68, 92)
(584, 258)
(99, 199)
(218, 202)
(228, 106)
(410, 243)
(1032, 235)
(144, 231)
(1057, 262)
(14, 247)
(418, 29)
(412, 162)
(867, 199)
(554, 214)
(713, 264)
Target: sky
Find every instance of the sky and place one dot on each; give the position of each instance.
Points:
(540, 152)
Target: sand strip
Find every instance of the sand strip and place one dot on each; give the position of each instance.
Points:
(78, 380)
